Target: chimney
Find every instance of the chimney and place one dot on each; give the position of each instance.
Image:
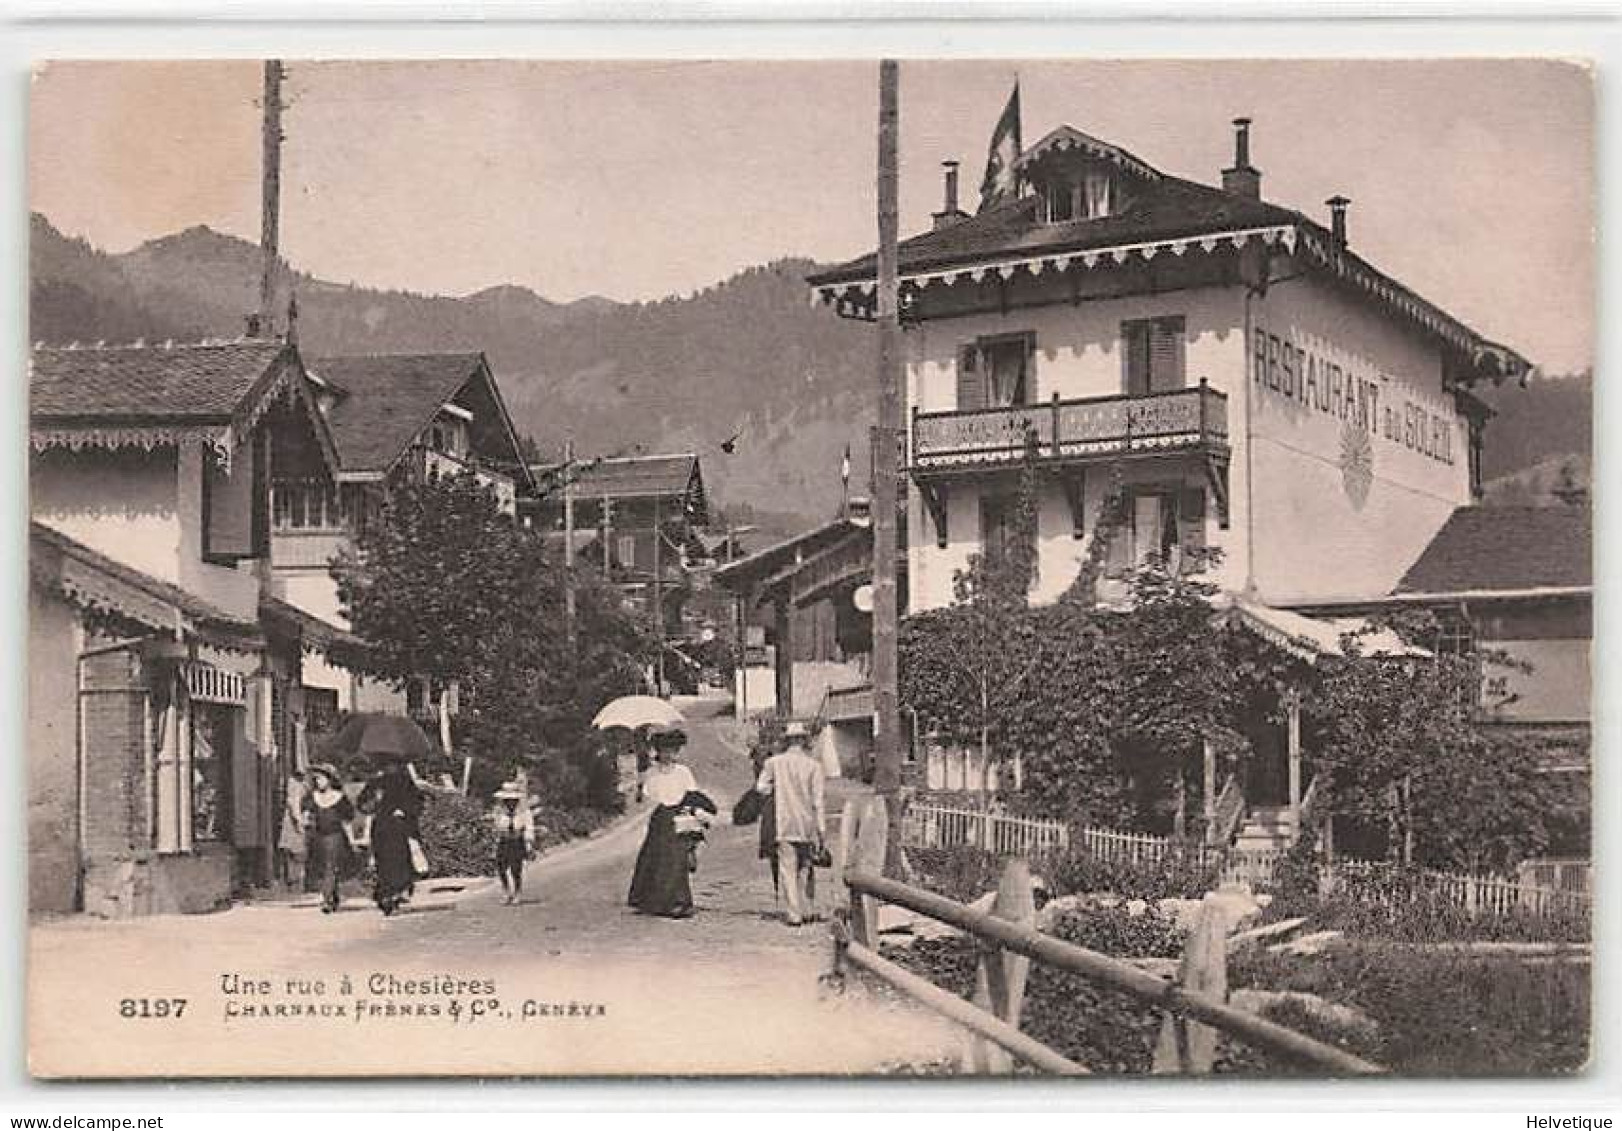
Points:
(950, 213)
(1337, 221)
(1243, 179)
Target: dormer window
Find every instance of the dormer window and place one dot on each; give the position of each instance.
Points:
(1091, 196)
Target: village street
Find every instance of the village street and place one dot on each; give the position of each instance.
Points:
(731, 990)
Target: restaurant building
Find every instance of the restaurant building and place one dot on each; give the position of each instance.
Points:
(1229, 369)
(1188, 368)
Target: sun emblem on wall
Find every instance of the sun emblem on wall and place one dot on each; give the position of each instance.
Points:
(1356, 463)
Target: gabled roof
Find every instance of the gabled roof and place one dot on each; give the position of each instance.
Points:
(150, 395)
(1165, 214)
(1482, 550)
(670, 476)
(92, 581)
(1068, 138)
(384, 401)
(208, 382)
(1171, 208)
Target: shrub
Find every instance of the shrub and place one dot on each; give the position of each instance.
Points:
(1075, 870)
(1439, 1011)
(1115, 931)
(963, 873)
(457, 837)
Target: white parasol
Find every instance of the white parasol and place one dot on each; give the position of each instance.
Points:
(633, 711)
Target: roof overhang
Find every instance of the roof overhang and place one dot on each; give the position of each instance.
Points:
(1310, 639)
(861, 290)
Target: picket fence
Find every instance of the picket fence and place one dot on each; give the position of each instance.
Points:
(1003, 834)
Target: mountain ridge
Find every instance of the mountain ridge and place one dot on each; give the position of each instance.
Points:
(746, 355)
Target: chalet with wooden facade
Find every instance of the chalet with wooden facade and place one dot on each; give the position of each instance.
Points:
(165, 695)
(390, 416)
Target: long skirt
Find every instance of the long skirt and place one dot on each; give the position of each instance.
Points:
(659, 885)
(391, 853)
(329, 863)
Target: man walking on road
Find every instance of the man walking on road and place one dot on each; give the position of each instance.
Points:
(794, 781)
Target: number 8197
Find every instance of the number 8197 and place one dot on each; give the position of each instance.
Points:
(153, 1007)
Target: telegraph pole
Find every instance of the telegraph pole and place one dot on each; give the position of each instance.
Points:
(271, 195)
(568, 542)
(658, 595)
(886, 706)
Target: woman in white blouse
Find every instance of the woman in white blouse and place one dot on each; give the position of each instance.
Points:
(660, 884)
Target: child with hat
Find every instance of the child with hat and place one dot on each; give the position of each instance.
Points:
(515, 839)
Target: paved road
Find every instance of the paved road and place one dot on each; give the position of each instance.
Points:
(732, 990)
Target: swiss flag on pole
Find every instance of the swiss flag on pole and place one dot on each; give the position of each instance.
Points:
(998, 184)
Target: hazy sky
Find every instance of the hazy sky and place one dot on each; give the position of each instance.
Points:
(1471, 181)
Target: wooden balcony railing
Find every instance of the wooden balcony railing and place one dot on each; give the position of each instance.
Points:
(1177, 420)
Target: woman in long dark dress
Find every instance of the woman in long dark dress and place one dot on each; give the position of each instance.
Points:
(660, 884)
(396, 806)
(327, 813)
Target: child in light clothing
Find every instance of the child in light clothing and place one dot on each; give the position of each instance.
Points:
(515, 839)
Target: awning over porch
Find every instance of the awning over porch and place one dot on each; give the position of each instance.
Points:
(1308, 638)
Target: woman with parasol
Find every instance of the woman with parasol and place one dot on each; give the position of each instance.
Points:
(660, 885)
(393, 800)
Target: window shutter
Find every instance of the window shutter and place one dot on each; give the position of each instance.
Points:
(971, 386)
(1135, 357)
(1166, 354)
(229, 506)
(1191, 526)
(1030, 369)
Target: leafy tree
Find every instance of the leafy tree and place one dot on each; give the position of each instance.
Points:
(445, 588)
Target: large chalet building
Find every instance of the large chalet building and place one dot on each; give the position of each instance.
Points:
(1190, 368)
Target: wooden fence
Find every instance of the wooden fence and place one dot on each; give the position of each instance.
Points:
(1387, 886)
(1193, 1008)
(1563, 892)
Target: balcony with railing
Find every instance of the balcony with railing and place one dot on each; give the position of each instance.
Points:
(1090, 428)
(435, 463)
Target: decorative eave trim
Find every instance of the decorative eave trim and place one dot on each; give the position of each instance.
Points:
(860, 292)
(1062, 140)
(148, 437)
(1484, 356)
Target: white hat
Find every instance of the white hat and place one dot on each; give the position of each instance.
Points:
(796, 729)
(509, 791)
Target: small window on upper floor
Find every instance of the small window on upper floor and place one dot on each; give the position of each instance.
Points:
(1091, 196)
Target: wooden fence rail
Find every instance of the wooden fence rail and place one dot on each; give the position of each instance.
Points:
(1009, 941)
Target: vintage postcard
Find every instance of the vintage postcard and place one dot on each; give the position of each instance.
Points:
(684, 567)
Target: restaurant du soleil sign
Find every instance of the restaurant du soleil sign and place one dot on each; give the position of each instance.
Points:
(1354, 392)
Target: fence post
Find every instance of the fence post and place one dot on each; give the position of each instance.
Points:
(1000, 981)
(1188, 1047)
(866, 854)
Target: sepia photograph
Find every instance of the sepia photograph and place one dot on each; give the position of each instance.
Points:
(938, 568)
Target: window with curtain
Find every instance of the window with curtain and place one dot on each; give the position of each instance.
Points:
(1096, 196)
(997, 372)
(1165, 527)
(1153, 355)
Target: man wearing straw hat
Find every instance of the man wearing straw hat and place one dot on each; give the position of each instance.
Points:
(515, 839)
(793, 782)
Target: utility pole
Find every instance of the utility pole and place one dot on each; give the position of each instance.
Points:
(658, 596)
(568, 542)
(271, 196)
(886, 705)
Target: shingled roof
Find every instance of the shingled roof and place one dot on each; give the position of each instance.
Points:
(384, 401)
(201, 383)
(93, 581)
(1164, 213)
(1506, 549)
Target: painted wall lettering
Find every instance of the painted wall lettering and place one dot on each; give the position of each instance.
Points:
(1368, 399)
